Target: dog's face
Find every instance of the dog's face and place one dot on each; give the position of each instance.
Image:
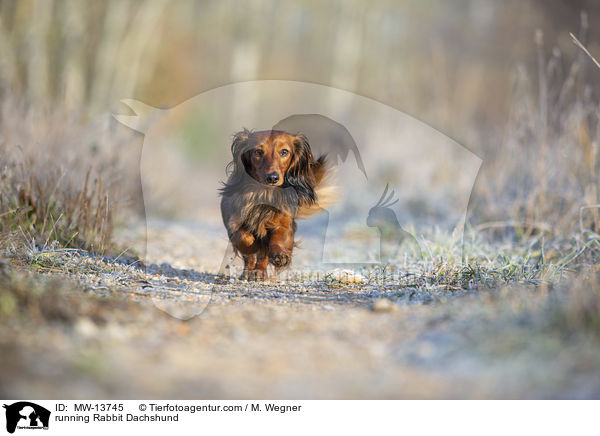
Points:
(269, 155)
(276, 159)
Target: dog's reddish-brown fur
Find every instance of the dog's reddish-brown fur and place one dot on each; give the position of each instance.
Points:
(273, 180)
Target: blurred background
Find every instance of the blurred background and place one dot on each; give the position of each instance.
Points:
(501, 78)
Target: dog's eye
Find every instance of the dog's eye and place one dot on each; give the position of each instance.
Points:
(284, 153)
(258, 152)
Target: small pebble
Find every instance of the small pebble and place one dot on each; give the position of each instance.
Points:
(384, 305)
(86, 327)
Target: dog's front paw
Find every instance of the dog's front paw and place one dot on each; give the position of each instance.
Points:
(255, 275)
(280, 259)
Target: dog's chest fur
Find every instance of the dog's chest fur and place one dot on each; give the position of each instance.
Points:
(258, 209)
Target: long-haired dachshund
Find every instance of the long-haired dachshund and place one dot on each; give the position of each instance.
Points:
(273, 179)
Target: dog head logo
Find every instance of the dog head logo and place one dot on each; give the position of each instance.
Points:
(26, 415)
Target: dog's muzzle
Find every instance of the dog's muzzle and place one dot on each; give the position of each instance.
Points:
(272, 178)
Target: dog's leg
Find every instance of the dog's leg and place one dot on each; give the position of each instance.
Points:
(260, 268)
(246, 244)
(249, 265)
(281, 242)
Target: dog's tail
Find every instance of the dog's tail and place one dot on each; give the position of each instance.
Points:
(326, 192)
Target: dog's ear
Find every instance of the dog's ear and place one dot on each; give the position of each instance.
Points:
(239, 146)
(299, 175)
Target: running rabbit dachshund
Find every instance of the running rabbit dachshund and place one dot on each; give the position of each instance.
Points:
(273, 179)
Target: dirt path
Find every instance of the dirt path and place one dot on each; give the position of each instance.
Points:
(294, 339)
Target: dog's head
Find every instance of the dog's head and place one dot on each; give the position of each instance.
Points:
(276, 158)
(273, 157)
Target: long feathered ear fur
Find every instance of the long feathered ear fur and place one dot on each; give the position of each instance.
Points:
(238, 146)
(300, 174)
(236, 169)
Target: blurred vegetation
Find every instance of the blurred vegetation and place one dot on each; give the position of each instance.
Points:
(503, 78)
(76, 56)
(59, 179)
(546, 175)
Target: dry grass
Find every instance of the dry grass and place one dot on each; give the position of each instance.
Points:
(576, 308)
(27, 299)
(42, 210)
(63, 174)
(61, 178)
(548, 167)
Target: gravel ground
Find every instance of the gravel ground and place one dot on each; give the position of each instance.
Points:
(321, 338)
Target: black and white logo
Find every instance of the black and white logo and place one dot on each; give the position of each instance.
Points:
(26, 415)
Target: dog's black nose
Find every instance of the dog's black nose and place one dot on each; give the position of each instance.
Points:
(272, 178)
